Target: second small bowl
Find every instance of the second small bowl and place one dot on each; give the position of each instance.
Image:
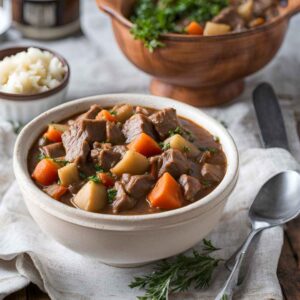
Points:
(23, 108)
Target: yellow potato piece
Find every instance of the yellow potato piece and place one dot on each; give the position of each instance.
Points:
(68, 174)
(59, 127)
(132, 163)
(245, 10)
(216, 28)
(123, 112)
(180, 143)
(92, 197)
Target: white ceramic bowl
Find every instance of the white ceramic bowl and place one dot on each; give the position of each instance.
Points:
(125, 240)
(23, 108)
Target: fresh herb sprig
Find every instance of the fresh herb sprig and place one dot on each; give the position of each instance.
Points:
(178, 274)
(153, 18)
(111, 194)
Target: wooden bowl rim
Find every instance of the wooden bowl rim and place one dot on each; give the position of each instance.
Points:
(194, 38)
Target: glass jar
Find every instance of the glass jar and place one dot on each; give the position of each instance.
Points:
(46, 19)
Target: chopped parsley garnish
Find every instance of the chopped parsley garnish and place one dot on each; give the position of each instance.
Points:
(206, 183)
(99, 169)
(94, 178)
(42, 156)
(152, 18)
(111, 194)
(183, 132)
(82, 176)
(113, 112)
(216, 139)
(186, 149)
(164, 146)
(62, 162)
(209, 149)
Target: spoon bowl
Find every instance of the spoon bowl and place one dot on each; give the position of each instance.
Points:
(277, 202)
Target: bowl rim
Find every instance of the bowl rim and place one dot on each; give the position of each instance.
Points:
(283, 16)
(35, 96)
(96, 220)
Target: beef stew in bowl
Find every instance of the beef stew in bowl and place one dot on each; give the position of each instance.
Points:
(127, 160)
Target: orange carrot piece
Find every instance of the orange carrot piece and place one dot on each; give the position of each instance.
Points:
(166, 194)
(145, 145)
(56, 191)
(106, 115)
(46, 172)
(194, 28)
(53, 135)
(106, 179)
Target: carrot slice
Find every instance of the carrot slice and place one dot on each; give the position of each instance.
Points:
(145, 145)
(53, 135)
(106, 115)
(194, 28)
(106, 179)
(166, 194)
(46, 172)
(56, 191)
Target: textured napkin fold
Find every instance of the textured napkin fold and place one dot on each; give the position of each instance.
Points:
(26, 254)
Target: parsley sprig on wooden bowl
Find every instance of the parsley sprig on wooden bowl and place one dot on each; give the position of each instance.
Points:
(153, 18)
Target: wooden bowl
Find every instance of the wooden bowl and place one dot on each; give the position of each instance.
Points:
(200, 70)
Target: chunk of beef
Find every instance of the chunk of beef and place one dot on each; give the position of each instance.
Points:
(164, 121)
(94, 130)
(105, 146)
(54, 150)
(230, 16)
(74, 141)
(77, 138)
(121, 149)
(190, 186)
(106, 158)
(194, 169)
(261, 6)
(137, 186)
(142, 110)
(136, 125)
(114, 134)
(212, 172)
(155, 164)
(174, 162)
(91, 113)
(122, 201)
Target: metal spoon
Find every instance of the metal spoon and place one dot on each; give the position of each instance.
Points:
(277, 202)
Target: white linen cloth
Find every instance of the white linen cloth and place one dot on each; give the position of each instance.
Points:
(26, 254)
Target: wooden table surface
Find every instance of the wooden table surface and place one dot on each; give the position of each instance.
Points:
(288, 268)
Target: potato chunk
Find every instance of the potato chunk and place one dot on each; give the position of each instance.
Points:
(132, 163)
(216, 28)
(92, 197)
(123, 112)
(180, 143)
(59, 127)
(68, 174)
(245, 10)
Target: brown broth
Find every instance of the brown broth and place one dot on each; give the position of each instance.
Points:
(202, 138)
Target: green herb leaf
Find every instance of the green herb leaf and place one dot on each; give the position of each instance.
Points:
(153, 18)
(82, 176)
(186, 149)
(94, 178)
(111, 194)
(61, 161)
(206, 183)
(164, 146)
(178, 274)
(42, 156)
(99, 169)
(209, 149)
(113, 112)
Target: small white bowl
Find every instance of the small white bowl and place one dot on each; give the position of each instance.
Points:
(23, 108)
(125, 240)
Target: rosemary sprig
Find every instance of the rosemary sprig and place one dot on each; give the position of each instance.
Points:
(178, 274)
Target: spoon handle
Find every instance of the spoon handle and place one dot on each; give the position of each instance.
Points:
(228, 288)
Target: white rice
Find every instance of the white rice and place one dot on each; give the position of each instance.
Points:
(30, 72)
